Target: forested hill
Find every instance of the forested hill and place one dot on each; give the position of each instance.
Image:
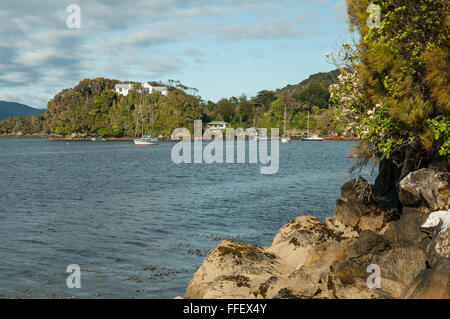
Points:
(312, 91)
(94, 108)
(8, 109)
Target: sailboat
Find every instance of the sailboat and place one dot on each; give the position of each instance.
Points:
(312, 138)
(285, 137)
(144, 139)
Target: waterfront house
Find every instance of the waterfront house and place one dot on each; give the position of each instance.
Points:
(148, 88)
(216, 129)
(218, 126)
(123, 89)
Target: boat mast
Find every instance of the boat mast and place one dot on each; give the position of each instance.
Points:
(284, 131)
(142, 109)
(307, 128)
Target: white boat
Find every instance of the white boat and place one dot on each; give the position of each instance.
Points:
(285, 138)
(98, 139)
(144, 140)
(312, 138)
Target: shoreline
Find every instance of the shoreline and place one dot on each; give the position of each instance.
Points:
(51, 137)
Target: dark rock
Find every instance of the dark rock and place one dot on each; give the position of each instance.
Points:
(366, 245)
(349, 213)
(407, 231)
(357, 206)
(441, 164)
(431, 283)
(285, 293)
(354, 188)
(385, 188)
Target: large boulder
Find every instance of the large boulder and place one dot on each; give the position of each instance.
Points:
(357, 208)
(310, 281)
(283, 270)
(425, 188)
(298, 238)
(431, 283)
(399, 267)
(233, 270)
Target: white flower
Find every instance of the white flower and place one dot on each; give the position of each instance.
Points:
(328, 54)
(369, 112)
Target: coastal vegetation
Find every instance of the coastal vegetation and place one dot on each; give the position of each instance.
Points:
(393, 90)
(93, 108)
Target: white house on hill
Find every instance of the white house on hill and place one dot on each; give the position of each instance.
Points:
(124, 89)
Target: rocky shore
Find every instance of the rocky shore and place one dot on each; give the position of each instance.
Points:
(73, 137)
(399, 224)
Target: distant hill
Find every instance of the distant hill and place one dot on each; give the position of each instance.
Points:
(312, 91)
(8, 109)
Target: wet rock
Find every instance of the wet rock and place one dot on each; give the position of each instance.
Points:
(425, 187)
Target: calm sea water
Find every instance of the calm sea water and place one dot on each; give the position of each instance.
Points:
(137, 224)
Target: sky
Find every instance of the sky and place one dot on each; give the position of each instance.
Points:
(223, 48)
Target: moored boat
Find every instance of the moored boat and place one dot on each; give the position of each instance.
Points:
(312, 138)
(144, 139)
(333, 138)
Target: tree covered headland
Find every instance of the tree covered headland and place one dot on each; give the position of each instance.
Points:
(394, 87)
(93, 108)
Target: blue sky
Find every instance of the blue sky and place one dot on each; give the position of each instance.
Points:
(221, 47)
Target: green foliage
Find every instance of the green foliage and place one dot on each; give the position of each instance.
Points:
(403, 66)
(93, 108)
(441, 128)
